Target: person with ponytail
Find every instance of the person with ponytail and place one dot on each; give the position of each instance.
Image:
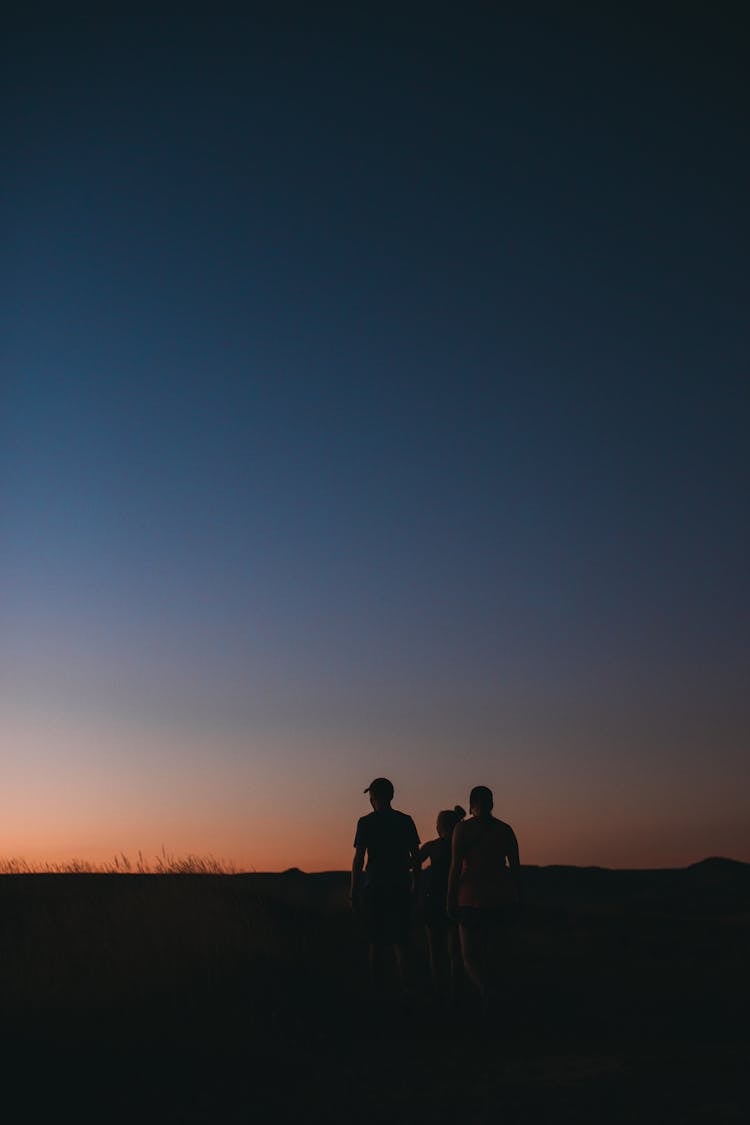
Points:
(483, 889)
(442, 935)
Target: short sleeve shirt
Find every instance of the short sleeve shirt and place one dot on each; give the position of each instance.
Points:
(390, 838)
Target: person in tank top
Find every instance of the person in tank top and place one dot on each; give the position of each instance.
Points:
(483, 888)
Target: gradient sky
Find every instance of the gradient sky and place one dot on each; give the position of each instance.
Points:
(374, 401)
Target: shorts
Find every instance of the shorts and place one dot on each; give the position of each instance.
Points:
(386, 912)
(478, 917)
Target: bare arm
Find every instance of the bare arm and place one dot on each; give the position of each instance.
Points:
(454, 874)
(514, 863)
(358, 866)
(416, 867)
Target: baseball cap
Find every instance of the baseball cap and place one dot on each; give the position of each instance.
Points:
(381, 787)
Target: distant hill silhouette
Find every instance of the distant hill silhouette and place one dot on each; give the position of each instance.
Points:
(712, 884)
(715, 883)
(720, 862)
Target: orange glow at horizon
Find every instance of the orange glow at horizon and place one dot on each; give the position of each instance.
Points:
(271, 846)
(91, 791)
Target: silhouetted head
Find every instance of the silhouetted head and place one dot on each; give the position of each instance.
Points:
(481, 801)
(447, 821)
(381, 793)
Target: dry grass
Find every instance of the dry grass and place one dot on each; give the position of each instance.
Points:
(78, 936)
(164, 863)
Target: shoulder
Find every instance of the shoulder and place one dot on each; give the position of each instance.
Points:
(460, 832)
(363, 825)
(505, 830)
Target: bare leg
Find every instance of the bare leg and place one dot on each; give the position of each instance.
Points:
(473, 953)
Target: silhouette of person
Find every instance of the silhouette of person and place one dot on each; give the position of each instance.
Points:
(441, 930)
(383, 890)
(483, 888)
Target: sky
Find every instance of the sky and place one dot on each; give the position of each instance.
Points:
(374, 401)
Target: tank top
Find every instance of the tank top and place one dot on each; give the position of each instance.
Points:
(485, 880)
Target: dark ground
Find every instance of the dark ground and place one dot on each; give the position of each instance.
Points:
(202, 998)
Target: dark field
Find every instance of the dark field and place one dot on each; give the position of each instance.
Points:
(210, 998)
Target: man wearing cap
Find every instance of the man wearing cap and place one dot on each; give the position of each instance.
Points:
(383, 889)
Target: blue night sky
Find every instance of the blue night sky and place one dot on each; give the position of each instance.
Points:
(374, 400)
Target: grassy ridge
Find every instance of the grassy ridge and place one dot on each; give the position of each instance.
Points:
(77, 941)
(625, 1000)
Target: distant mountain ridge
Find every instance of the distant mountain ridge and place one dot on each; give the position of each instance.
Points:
(712, 885)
